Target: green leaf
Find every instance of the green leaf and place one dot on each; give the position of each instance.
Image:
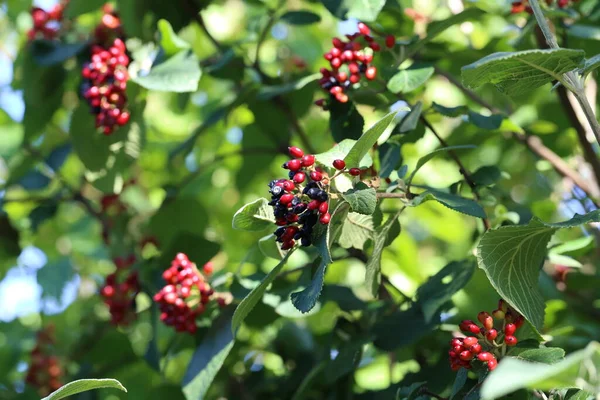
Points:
(345, 121)
(340, 151)
(177, 219)
(545, 355)
(486, 175)
(437, 27)
(53, 277)
(512, 256)
(411, 392)
(169, 41)
(84, 385)
(408, 80)
(520, 72)
(306, 299)
(584, 31)
(301, 17)
(250, 301)
(451, 112)
(255, 216)
(389, 159)
(373, 267)
(270, 248)
(452, 201)
(490, 122)
(434, 293)
(459, 382)
(423, 160)
(410, 120)
(79, 7)
(590, 65)
(364, 10)
(356, 231)
(50, 52)
(269, 92)
(208, 358)
(362, 199)
(367, 140)
(513, 374)
(180, 73)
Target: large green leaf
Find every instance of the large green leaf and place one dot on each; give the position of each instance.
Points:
(208, 358)
(373, 267)
(83, 385)
(574, 371)
(362, 199)
(306, 299)
(439, 288)
(512, 256)
(520, 72)
(250, 301)
(340, 151)
(50, 52)
(180, 73)
(452, 201)
(364, 10)
(345, 121)
(545, 355)
(408, 80)
(356, 231)
(255, 216)
(367, 140)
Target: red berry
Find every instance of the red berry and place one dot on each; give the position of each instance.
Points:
(353, 68)
(286, 198)
(492, 364)
(323, 207)
(316, 176)
(371, 73)
(342, 77)
(288, 186)
(509, 329)
(470, 341)
(208, 268)
(390, 41)
(313, 204)
(485, 356)
(339, 164)
(510, 340)
(364, 29)
(308, 160)
(486, 320)
(295, 152)
(336, 63)
(337, 42)
(466, 355)
(354, 171)
(325, 218)
(299, 177)
(287, 245)
(491, 334)
(342, 98)
(354, 78)
(294, 165)
(476, 348)
(320, 102)
(375, 46)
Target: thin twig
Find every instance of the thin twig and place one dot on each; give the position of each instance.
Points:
(195, 10)
(263, 37)
(385, 195)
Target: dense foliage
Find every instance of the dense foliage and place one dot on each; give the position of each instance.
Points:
(330, 199)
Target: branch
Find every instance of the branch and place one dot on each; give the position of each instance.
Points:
(285, 107)
(195, 10)
(263, 37)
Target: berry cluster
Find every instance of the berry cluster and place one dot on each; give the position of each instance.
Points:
(47, 24)
(523, 5)
(120, 290)
(490, 340)
(299, 201)
(187, 294)
(349, 60)
(44, 371)
(105, 76)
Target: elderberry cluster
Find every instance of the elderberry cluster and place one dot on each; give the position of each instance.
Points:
(300, 201)
(120, 290)
(47, 24)
(490, 340)
(523, 5)
(44, 371)
(187, 294)
(105, 76)
(349, 61)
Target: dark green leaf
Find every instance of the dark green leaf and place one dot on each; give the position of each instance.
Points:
(452, 112)
(362, 199)
(255, 216)
(410, 392)
(180, 73)
(520, 72)
(423, 160)
(459, 382)
(389, 159)
(373, 267)
(486, 175)
(365, 10)
(345, 121)
(306, 299)
(84, 385)
(434, 293)
(452, 201)
(53, 276)
(410, 120)
(546, 355)
(302, 17)
(269, 92)
(78, 7)
(250, 301)
(408, 80)
(50, 52)
(367, 140)
(208, 358)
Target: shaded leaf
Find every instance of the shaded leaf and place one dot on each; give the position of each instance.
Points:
(373, 267)
(84, 385)
(459, 382)
(357, 230)
(364, 10)
(408, 80)
(362, 199)
(545, 355)
(306, 299)
(51, 52)
(255, 216)
(301, 17)
(367, 140)
(268, 92)
(345, 121)
(423, 160)
(452, 201)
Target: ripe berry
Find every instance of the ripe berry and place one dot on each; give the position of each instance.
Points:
(354, 171)
(510, 340)
(476, 348)
(286, 198)
(294, 165)
(308, 160)
(337, 43)
(364, 29)
(485, 356)
(339, 164)
(208, 268)
(465, 355)
(492, 364)
(325, 218)
(474, 329)
(510, 329)
(375, 46)
(470, 341)
(299, 177)
(491, 334)
(371, 73)
(323, 208)
(486, 320)
(390, 41)
(296, 152)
